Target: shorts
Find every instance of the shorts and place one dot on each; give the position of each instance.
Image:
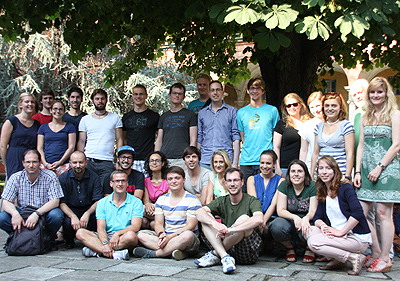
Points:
(191, 249)
(244, 252)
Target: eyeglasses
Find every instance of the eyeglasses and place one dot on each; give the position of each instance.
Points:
(155, 161)
(119, 181)
(178, 94)
(255, 88)
(57, 109)
(126, 157)
(296, 104)
(233, 181)
(216, 90)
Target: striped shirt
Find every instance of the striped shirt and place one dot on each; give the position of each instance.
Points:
(44, 189)
(334, 144)
(175, 216)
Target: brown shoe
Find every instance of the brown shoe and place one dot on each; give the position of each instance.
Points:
(333, 265)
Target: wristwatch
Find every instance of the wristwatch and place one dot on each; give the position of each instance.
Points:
(37, 213)
(382, 166)
(105, 242)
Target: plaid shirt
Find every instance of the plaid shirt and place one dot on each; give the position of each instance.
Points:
(45, 188)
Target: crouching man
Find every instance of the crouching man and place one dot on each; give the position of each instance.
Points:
(234, 239)
(175, 222)
(119, 217)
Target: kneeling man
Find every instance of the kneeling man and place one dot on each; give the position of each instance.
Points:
(119, 217)
(175, 228)
(240, 213)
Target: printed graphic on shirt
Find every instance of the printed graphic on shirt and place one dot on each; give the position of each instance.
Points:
(254, 122)
(176, 121)
(136, 122)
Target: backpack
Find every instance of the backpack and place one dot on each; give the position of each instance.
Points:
(29, 242)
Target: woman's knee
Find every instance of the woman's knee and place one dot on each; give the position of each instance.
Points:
(281, 229)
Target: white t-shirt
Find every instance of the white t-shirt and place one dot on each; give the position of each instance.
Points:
(100, 135)
(306, 131)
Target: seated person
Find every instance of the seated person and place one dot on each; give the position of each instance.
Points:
(126, 156)
(82, 190)
(296, 205)
(196, 176)
(220, 162)
(175, 228)
(263, 186)
(156, 165)
(119, 217)
(36, 187)
(235, 239)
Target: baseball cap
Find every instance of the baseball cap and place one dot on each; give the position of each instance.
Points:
(126, 148)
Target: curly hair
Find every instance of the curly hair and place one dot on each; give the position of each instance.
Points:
(163, 168)
(304, 114)
(336, 181)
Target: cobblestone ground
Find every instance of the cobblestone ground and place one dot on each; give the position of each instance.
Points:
(71, 265)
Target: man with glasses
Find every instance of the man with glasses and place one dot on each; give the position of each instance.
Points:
(126, 156)
(217, 128)
(256, 123)
(177, 128)
(119, 217)
(82, 189)
(235, 239)
(140, 126)
(35, 187)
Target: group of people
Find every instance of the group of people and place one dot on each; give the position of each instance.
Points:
(181, 168)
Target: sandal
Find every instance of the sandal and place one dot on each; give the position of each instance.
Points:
(368, 261)
(357, 264)
(291, 255)
(375, 269)
(309, 256)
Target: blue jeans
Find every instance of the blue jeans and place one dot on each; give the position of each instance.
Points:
(248, 170)
(101, 168)
(54, 219)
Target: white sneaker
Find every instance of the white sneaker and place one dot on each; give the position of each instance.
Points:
(228, 264)
(87, 252)
(121, 255)
(209, 259)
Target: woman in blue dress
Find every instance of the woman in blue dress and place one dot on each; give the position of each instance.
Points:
(56, 140)
(18, 134)
(263, 186)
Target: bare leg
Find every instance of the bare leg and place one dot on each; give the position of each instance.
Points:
(385, 211)
(90, 240)
(375, 248)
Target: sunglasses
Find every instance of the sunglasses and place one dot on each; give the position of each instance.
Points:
(296, 104)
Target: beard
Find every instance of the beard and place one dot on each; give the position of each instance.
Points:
(100, 107)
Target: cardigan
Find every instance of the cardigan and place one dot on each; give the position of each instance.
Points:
(349, 206)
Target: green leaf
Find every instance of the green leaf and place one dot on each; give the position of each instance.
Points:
(246, 15)
(216, 10)
(279, 16)
(232, 12)
(272, 22)
(388, 30)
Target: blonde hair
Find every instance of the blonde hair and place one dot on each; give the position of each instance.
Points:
(24, 95)
(389, 107)
(227, 161)
(359, 84)
(314, 96)
(304, 114)
(342, 104)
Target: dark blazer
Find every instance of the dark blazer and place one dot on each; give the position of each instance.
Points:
(350, 207)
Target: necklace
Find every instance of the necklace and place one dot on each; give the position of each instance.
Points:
(332, 123)
(100, 114)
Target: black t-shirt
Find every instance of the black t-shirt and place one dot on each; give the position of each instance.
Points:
(135, 181)
(140, 131)
(290, 146)
(176, 135)
(74, 120)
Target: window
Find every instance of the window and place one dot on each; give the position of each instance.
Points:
(330, 85)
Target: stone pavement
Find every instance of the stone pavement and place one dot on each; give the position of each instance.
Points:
(71, 265)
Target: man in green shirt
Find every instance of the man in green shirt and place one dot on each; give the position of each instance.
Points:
(234, 239)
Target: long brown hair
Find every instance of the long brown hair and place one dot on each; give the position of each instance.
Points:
(340, 100)
(336, 181)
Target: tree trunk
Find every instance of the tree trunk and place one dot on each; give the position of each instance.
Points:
(293, 69)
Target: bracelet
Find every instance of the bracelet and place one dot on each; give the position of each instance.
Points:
(37, 213)
(348, 177)
(356, 173)
(382, 166)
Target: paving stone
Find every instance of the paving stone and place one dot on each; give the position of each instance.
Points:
(302, 266)
(162, 278)
(9, 263)
(345, 276)
(188, 263)
(306, 275)
(89, 263)
(95, 276)
(147, 269)
(205, 274)
(34, 273)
